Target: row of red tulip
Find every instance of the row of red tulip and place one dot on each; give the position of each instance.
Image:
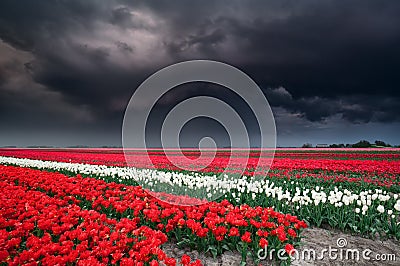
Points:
(37, 228)
(205, 225)
(357, 162)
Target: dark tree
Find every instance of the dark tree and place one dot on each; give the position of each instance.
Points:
(362, 144)
(380, 143)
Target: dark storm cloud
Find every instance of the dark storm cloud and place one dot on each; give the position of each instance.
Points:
(322, 52)
(28, 24)
(315, 59)
(122, 16)
(331, 51)
(354, 108)
(204, 42)
(124, 47)
(82, 49)
(3, 75)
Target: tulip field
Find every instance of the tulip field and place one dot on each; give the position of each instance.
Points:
(87, 207)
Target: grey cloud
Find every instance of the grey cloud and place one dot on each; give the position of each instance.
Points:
(353, 108)
(122, 17)
(124, 47)
(324, 58)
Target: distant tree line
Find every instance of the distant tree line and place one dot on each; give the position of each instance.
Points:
(360, 144)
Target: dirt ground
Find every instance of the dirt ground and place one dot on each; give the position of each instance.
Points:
(343, 250)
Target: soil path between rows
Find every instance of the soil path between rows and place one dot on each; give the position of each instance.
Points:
(316, 239)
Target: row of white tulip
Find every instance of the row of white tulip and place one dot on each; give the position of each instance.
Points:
(362, 201)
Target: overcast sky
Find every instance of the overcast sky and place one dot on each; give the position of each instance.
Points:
(330, 69)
